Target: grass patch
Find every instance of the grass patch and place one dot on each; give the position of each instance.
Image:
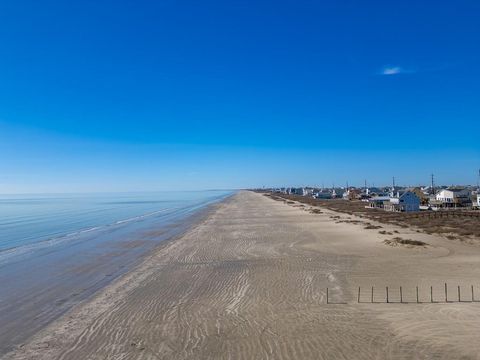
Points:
(372, 227)
(400, 241)
(356, 222)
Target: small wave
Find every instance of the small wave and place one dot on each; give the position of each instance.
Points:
(81, 231)
(135, 218)
(136, 202)
(6, 254)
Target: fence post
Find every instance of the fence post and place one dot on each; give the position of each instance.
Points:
(459, 293)
(387, 294)
(473, 297)
(431, 294)
(401, 295)
(372, 294)
(417, 294)
(327, 295)
(358, 299)
(446, 293)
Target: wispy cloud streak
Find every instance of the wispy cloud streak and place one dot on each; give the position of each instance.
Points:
(393, 70)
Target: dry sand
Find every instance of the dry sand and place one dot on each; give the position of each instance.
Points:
(250, 283)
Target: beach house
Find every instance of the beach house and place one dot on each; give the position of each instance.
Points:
(352, 194)
(454, 197)
(420, 193)
(377, 202)
(407, 202)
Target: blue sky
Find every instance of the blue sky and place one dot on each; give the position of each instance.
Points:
(144, 95)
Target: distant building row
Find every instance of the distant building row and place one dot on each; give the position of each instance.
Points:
(397, 198)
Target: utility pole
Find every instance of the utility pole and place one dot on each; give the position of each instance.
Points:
(433, 186)
(478, 180)
(393, 183)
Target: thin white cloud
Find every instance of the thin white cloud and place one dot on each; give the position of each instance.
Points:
(393, 70)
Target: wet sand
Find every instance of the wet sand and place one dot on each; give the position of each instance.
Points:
(250, 282)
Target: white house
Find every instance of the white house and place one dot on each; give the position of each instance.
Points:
(453, 197)
(377, 202)
(478, 200)
(408, 201)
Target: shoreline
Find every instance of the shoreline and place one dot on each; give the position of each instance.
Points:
(249, 281)
(129, 254)
(91, 307)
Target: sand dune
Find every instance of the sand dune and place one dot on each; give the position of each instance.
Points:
(250, 283)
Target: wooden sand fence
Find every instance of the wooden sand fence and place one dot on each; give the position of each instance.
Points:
(440, 214)
(396, 295)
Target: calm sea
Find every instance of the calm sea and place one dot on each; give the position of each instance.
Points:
(56, 250)
(29, 223)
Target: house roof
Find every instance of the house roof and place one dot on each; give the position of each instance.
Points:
(456, 189)
(408, 192)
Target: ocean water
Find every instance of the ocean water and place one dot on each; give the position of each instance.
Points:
(57, 250)
(29, 223)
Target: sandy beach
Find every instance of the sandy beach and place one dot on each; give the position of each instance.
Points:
(250, 282)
